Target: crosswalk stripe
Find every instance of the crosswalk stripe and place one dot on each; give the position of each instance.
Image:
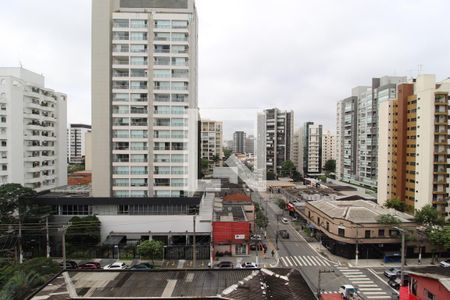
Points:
(374, 293)
(297, 260)
(284, 262)
(352, 273)
(310, 263)
(303, 261)
(316, 259)
(379, 297)
(289, 261)
(326, 263)
(367, 285)
(365, 281)
(370, 289)
(355, 275)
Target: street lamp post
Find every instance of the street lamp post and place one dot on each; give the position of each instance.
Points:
(402, 265)
(118, 251)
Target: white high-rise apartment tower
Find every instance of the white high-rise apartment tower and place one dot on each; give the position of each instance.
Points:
(328, 147)
(76, 143)
(32, 131)
(144, 98)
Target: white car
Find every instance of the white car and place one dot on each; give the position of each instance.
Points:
(284, 220)
(116, 266)
(249, 265)
(348, 291)
(445, 263)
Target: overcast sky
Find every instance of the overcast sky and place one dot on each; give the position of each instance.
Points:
(253, 54)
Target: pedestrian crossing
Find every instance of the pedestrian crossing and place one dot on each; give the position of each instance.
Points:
(304, 261)
(365, 284)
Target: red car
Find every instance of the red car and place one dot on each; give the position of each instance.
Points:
(90, 266)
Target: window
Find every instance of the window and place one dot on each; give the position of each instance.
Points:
(429, 295)
(138, 61)
(138, 23)
(138, 48)
(138, 36)
(381, 232)
(165, 24)
(161, 73)
(341, 231)
(367, 234)
(120, 23)
(176, 24)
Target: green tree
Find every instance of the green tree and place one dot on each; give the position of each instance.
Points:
(271, 175)
(226, 153)
(296, 176)
(388, 219)
(396, 204)
(151, 248)
(72, 168)
(14, 198)
(330, 166)
(204, 164)
(287, 167)
(83, 232)
(261, 220)
(428, 216)
(281, 203)
(438, 237)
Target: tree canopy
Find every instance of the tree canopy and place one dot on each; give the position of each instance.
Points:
(428, 216)
(84, 231)
(396, 204)
(330, 166)
(151, 249)
(14, 198)
(388, 219)
(287, 168)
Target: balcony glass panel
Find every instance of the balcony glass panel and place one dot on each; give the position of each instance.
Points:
(179, 24)
(162, 36)
(163, 24)
(162, 48)
(138, 48)
(120, 23)
(139, 97)
(118, 97)
(138, 23)
(183, 37)
(138, 36)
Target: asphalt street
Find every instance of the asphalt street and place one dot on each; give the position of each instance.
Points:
(295, 252)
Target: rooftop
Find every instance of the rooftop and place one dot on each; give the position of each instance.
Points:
(438, 273)
(358, 211)
(178, 284)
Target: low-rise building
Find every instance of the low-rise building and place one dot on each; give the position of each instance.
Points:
(345, 227)
(427, 283)
(231, 226)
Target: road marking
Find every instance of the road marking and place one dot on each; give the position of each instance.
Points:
(303, 260)
(367, 285)
(298, 261)
(374, 293)
(365, 281)
(379, 297)
(288, 260)
(352, 273)
(370, 289)
(283, 261)
(308, 261)
(316, 260)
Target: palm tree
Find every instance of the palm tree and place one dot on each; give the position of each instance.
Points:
(20, 285)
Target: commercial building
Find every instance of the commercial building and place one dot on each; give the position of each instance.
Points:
(239, 141)
(427, 283)
(328, 147)
(144, 98)
(357, 130)
(275, 132)
(33, 118)
(250, 145)
(211, 142)
(296, 151)
(414, 145)
(76, 143)
(347, 226)
(310, 149)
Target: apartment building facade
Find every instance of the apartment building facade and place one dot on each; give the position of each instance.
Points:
(328, 147)
(414, 145)
(144, 98)
(357, 131)
(239, 141)
(211, 142)
(310, 155)
(33, 145)
(76, 143)
(274, 139)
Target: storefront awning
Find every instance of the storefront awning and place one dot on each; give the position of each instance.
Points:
(114, 240)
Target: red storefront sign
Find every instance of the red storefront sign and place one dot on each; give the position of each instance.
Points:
(231, 232)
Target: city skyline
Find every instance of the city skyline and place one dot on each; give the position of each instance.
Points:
(286, 77)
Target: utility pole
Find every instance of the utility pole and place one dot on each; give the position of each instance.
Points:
(64, 230)
(357, 250)
(20, 241)
(47, 239)
(319, 278)
(194, 254)
(402, 265)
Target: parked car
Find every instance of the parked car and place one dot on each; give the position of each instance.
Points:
(116, 266)
(394, 282)
(284, 234)
(255, 237)
(224, 265)
(249, 265)
(142, 266)
(284, 220)
(90, 266)
(348, 291)
(70, 265)
(445, 263)
(392, 272)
